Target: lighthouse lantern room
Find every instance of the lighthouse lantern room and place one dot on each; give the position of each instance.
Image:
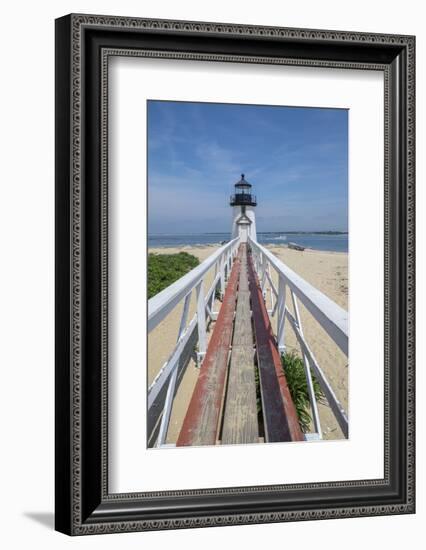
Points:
(243, 203)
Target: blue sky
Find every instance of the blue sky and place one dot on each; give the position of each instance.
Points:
(295, 158)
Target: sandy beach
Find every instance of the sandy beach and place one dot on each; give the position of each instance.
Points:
(327, 271)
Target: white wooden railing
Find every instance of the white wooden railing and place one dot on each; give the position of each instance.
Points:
(332, 318)
(166, 301)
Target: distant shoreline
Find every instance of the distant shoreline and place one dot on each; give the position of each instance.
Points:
(174, 249)
(336, 242)
(259, 233)
(288, 233)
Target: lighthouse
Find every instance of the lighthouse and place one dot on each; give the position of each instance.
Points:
(243, 203)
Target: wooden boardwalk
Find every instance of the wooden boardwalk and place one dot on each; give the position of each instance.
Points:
(240, 423)
(223, 407)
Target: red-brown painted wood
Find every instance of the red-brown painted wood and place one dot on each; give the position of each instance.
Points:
(202, 419)
(279, 413)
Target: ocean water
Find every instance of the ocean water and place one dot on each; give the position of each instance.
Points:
(316, 241)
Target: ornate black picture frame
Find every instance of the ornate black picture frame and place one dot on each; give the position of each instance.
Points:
(83, 45)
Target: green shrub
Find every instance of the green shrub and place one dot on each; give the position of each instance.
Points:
(295, 373)
(165, 269)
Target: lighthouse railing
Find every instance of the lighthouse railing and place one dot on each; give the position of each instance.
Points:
(163, 303)
(332, 318)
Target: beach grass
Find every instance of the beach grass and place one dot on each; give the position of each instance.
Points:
(165, 269)
(296, 380)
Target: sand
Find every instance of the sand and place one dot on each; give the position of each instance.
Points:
(327, 271)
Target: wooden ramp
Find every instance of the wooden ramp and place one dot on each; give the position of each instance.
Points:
(223, 407)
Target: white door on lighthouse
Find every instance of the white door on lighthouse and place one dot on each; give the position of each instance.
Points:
(243, 233)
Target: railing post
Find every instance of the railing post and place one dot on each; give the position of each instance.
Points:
(281, 314)
(265, 266)
(228, 267)
(201, 323)
(212, 299)
(222, 276)
(254, 253)
(270, 287)
(167, 410)
(314, 405)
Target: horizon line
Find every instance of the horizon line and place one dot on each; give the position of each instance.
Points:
(336, 231)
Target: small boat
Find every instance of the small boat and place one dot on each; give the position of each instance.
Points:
(295, 246)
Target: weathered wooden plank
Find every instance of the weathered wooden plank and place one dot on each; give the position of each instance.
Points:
(240, 424)
(279, 413)
(202, 419)
(243, 334)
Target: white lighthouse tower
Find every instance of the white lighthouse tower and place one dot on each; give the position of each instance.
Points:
(243, 203)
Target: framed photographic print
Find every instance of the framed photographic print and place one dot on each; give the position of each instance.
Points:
(234, 274)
